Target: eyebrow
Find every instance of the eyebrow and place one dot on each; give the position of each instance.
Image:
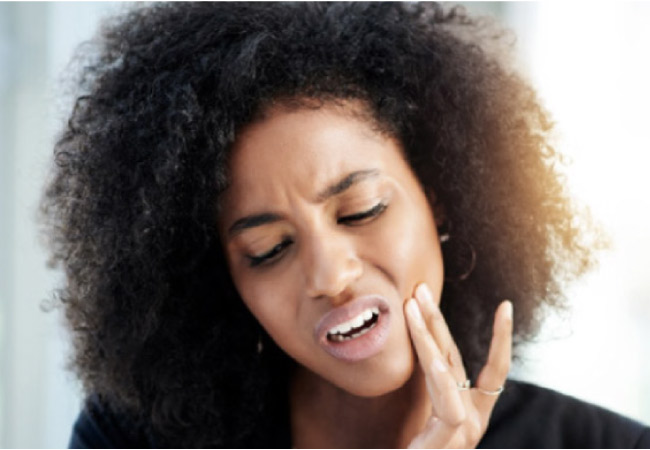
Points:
(340, 186)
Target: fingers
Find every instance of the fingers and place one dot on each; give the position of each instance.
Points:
(435, 435)
(447, 403)
(459, 418)
(494, 373)
(450, 405)
(440, 331)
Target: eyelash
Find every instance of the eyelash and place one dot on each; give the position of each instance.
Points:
(359, 217)
(351, 220)
(255, 261)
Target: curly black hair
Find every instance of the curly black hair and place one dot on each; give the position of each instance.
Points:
(159, 330)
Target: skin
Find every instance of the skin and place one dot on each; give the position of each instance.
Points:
(320, 254)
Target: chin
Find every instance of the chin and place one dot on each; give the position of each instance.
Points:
(386, 375)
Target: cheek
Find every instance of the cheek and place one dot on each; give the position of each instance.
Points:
(273, 302)
(410, 250)
(261, 294)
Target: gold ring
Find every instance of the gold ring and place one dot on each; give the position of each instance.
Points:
(486, 392)
(464, 386)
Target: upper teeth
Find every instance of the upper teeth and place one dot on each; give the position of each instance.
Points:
(355, 322)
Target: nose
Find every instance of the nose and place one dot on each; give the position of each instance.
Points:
(331, 265)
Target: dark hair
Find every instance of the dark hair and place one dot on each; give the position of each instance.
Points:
(159, 329)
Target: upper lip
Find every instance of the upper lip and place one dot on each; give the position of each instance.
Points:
(346, 312)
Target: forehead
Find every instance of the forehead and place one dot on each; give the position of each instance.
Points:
(301, 151)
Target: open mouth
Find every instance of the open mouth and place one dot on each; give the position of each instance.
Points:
(355, 327)
(356, 330)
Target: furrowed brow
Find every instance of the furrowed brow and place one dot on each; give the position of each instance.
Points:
(255, 220)
(347, 182)
(340, 186)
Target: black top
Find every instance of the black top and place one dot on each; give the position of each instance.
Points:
(526, 416)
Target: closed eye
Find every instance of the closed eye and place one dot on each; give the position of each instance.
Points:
(352, 220)
(363, 217)
(257, 260)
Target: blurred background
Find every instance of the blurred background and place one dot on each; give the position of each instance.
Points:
(589, 62)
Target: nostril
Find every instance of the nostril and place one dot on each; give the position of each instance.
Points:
(331, 265)
(333, 281)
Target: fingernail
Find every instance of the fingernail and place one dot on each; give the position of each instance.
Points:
(439, 365)
(423, 292)
(508, 310)
(414, 311)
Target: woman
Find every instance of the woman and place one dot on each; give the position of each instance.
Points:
(296, 225)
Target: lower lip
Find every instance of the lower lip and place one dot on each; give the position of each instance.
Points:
(362, 347)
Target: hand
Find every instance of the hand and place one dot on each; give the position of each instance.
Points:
(459, 418)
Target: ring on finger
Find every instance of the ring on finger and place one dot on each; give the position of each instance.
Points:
(495, 392)
(464, 385)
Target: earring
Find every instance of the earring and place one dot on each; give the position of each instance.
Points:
(443, 231)
(458, 255)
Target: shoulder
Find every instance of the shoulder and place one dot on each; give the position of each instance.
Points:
(100, 426)
(531, 416)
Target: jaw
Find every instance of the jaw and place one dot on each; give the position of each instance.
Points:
(337, 417)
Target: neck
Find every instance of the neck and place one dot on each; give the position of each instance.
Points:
(325, 416)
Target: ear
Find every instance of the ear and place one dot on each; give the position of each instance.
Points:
(439, 211)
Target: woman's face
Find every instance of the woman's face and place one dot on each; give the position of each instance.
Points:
(327, 232)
